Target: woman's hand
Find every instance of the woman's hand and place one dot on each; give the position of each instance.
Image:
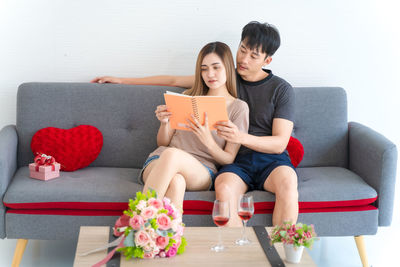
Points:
(106, 79)
(202, 131)
(162, 114)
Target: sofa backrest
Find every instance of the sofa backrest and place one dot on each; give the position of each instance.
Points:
(321, 126)
(125, 116)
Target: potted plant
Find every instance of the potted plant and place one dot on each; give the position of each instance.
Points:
(294, 238)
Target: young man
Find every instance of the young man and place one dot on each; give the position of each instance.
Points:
(262, 162)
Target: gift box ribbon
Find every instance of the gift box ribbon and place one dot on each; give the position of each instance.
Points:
(44, 160)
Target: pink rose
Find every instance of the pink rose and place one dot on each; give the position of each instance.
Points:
(179, 230)
(156, 203)
(166, 201)
(172, 251)
(142, 238)
(163, 221)
(141, 205)
(136, 222)
(162, 241)
(148, 255)
(148, 213)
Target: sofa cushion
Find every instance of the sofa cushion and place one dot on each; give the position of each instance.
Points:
(321, 189)
(89, 188)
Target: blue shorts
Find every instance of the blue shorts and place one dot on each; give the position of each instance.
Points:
(255, 167)
(150, 159)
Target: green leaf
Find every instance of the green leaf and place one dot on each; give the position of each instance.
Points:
(171, 242)
(282, 233)
(163, 211)
(138, 252)
(153, 223)
(182, 247)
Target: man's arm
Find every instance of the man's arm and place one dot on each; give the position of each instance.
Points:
(165, 80)
(275, 144)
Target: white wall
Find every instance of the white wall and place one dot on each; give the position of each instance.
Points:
(353, 44)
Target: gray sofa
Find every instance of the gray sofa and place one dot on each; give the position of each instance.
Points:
(346, 179)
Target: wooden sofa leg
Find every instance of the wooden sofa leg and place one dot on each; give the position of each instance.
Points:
(361, 250)
(19, 252)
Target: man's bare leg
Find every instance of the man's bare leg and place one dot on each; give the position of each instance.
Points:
(228, 187)
(283, 183)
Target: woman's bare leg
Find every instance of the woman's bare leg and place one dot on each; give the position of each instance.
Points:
(159, 173)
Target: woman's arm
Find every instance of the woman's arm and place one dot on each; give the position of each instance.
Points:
(226, 155)
(165, 132)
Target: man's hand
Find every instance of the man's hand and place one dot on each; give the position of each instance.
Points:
(229, 131)
(106, 79)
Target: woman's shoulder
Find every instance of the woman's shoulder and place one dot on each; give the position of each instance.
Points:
(239, 104)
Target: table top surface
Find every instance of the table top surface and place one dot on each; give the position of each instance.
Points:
(197, 253)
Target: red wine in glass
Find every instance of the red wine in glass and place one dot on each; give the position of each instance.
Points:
(245, 215)
(245, 211)
(220, 216)
(220, 221)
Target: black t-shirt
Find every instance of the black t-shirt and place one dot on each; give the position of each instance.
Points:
(269, 98)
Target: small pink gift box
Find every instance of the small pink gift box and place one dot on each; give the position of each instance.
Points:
(44, 172)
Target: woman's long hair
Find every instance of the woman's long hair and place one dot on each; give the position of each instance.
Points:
(224, 53)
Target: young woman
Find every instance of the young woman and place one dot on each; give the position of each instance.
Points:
(188, 160)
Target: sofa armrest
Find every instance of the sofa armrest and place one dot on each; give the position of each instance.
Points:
(8, 156)
(374, 157)
(8, 165)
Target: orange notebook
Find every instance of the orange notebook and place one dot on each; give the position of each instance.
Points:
(182, 106)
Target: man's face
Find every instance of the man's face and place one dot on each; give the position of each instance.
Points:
(250, 62)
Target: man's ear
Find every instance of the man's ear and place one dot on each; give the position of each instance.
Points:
(267, 60)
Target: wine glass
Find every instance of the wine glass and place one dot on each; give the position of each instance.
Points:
(245, 212)
(220, 216)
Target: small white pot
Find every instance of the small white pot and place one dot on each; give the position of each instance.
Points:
(292, 253)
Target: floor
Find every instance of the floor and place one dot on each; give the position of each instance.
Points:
(327, 252)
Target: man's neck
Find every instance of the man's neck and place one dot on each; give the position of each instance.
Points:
(260, 75)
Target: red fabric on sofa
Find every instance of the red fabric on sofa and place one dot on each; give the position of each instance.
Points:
(192, 206)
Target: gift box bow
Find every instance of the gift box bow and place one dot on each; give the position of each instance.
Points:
(44, 160)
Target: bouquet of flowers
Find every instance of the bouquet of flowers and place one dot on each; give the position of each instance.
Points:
(151, 228)
(296, 234)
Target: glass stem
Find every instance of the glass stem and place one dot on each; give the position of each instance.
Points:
(244, 230)
(219, 236)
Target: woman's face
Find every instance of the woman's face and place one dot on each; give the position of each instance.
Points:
(213, 71)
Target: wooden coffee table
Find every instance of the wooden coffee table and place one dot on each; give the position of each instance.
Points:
(197, 253)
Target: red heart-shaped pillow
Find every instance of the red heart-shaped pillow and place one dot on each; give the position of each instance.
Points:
(74, 148)
(295, 150)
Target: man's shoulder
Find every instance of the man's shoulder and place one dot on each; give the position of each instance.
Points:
(280, 82)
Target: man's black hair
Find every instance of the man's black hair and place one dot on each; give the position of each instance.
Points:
(261, 36)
